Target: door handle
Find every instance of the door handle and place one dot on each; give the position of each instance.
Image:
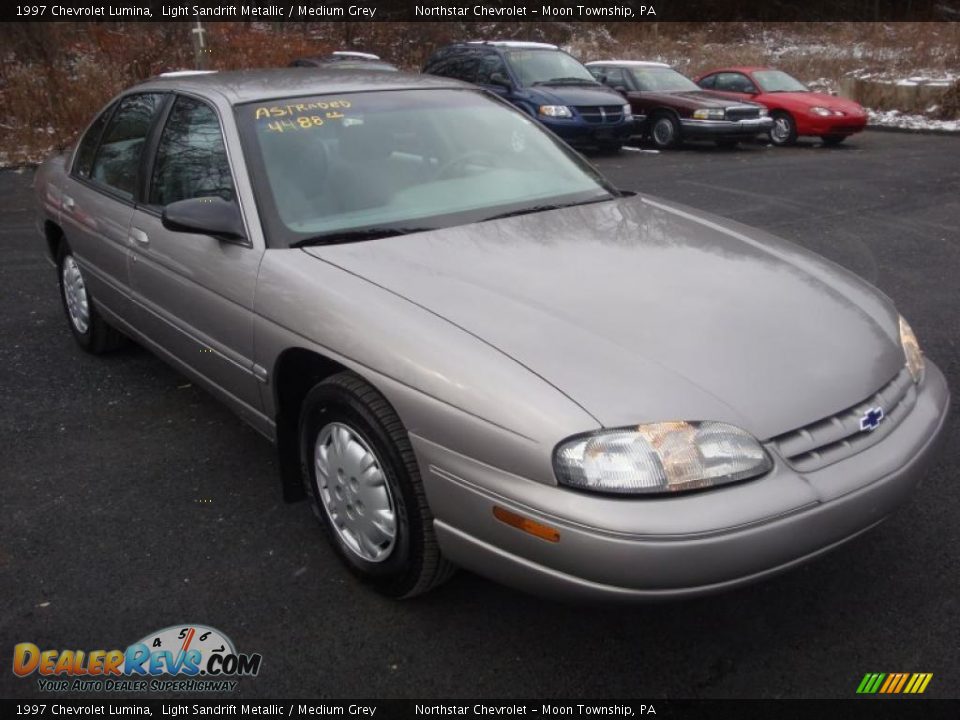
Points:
(139, 237)
(67, 203)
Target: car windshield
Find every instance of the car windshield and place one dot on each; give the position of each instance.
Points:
(356, 166)
(778, 81)
(548, 67)
(661, 79)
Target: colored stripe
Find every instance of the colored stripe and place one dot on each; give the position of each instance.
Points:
(903, 680)
(890, 679)
(862, 687)
(926, 681)
(913, 681)
(876, 683)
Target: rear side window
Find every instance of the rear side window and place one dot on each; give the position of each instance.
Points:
(191, 159)
(733, 82)
(708, 81)
(459, 66)
(88, 145)
(118, 157)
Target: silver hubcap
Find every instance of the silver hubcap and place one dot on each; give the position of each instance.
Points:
(781, 129)
(75, 293)
(663, 132)
(355, 493)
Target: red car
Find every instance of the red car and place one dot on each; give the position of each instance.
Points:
(795, 109)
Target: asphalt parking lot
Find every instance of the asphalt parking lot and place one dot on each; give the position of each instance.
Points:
(130, 500)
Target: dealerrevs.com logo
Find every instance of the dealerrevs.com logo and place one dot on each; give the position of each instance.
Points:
(201, 659)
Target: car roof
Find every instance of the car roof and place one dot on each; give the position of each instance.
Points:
(523, 44)
(241, 86)
(738, 68)
(632, 63)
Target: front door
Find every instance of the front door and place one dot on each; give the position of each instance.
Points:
(194, 293)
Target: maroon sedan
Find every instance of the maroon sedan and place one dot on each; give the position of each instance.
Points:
(796, 110)
(675, 108)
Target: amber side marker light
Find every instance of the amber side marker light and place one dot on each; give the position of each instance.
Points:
(544, 532)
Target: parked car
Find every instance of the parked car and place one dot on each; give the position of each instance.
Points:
(346, 60)
(473, 350)
(544, 82)
(796, 110)
(676, 109)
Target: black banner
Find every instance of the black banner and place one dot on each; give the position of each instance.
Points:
(865, 709)
(536, 11)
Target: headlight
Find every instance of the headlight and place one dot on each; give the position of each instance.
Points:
(555, 111)
(627, 112)
(822, 111)
(709, 114)
(658, 458)
(764, 112)
(912, 351)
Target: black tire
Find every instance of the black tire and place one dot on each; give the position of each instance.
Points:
(784, 130)
(665, 131)
(97, 337)
(831, 140)
(414, 564)
(727, 144)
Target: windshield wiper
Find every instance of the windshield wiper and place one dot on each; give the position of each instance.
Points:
(543, 208)
(349, 236)
(567, 81)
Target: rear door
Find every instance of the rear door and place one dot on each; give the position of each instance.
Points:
(98, 197)
(194, 293)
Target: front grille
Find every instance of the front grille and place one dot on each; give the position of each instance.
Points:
(605, 114)
(838, 437)
(742, 113)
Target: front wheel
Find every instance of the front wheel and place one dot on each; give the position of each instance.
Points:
(366, 489)
(89, 329)
(784, 130)
(831, 140)
(665, 132)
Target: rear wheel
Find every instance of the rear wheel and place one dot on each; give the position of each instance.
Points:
(89, 329)
(665, 132)
(784, 130)
(830, 140)
(366, 488)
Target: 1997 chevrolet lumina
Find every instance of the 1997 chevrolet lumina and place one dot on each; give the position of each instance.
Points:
(470, 349)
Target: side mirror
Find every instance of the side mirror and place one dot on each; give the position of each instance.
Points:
(500, 79)
(622, 89)
(208, 215)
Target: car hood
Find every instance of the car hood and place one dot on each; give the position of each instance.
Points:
(694, 99)
(816, 99)
(577, 95)
(640, 311)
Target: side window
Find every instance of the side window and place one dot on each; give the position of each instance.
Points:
(118, 157)
(615, 77)
(459, 66)
(708, 82)
(83, 160)
(487, 66)
(733, 82)
(191, 160)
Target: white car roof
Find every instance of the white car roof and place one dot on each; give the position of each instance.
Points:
(354, 53)
(635, 63)
(514, 44)
(186, 73)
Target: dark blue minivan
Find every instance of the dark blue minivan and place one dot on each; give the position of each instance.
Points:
(545, 82)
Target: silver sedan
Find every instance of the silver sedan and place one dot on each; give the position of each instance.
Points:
(471, 350)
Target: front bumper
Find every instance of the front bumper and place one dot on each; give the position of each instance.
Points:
(816, 125)
(725, 128)
(583, 134)
(681, 546)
